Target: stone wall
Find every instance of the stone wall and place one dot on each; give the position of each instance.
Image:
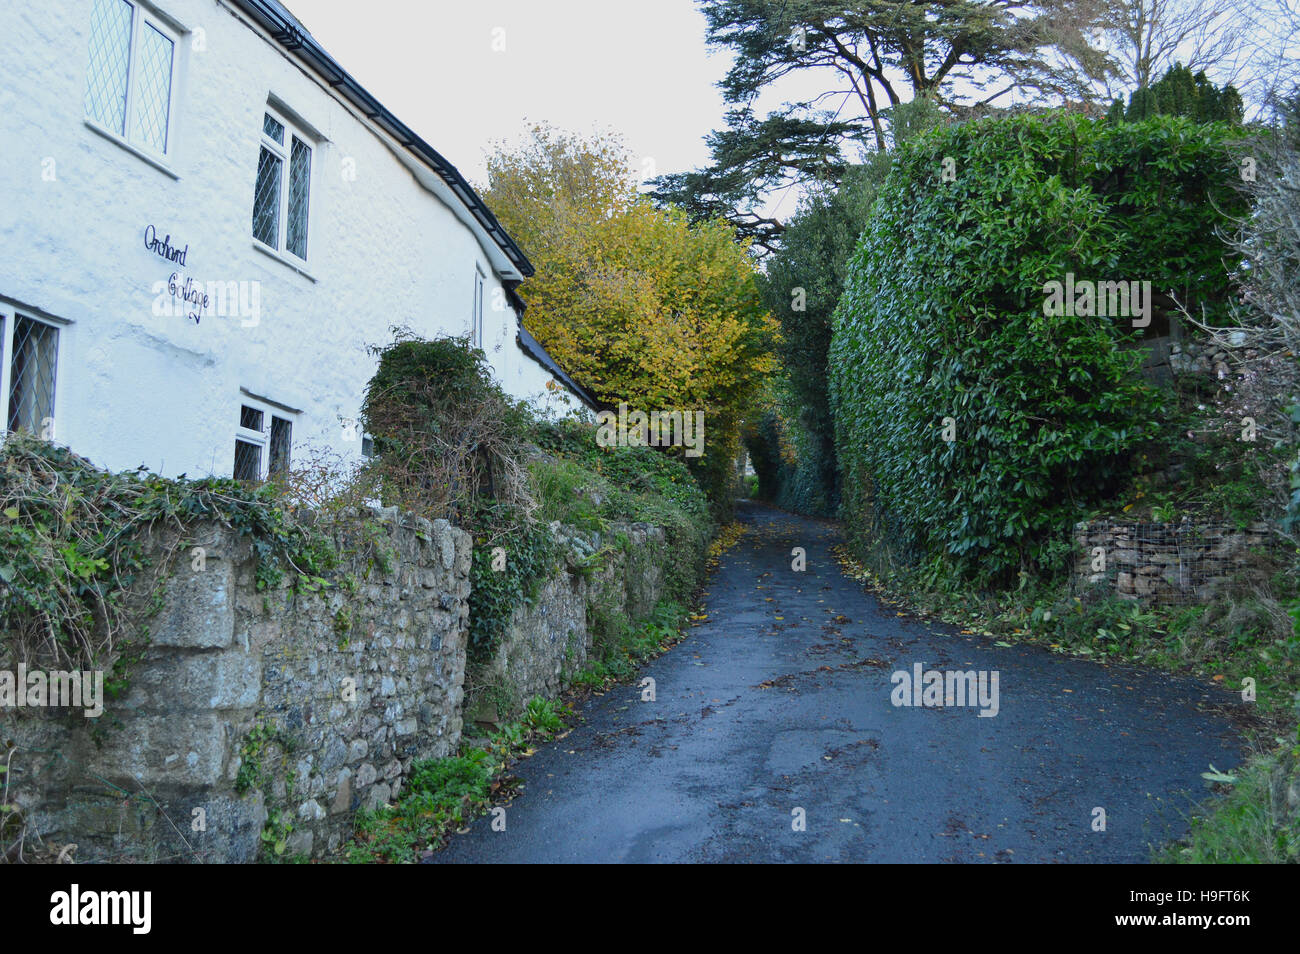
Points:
(1165, 563)
(619, 572)
(266, 718)
(259, 712)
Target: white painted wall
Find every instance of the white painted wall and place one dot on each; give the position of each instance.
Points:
(138, 388)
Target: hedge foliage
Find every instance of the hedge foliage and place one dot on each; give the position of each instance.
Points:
(943, 316)
(792, 444)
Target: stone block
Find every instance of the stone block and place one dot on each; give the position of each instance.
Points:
(198, 609)
(170, 681)
(342, 800)
(182, 749)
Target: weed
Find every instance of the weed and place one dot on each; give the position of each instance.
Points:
(442, 794)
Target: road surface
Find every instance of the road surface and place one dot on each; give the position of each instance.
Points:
(779, 709)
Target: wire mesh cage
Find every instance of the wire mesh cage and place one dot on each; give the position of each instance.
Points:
(1169, 564)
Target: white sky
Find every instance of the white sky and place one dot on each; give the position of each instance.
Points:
(640, 69)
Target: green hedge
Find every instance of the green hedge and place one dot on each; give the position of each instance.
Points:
(943, 316)
(809, 484)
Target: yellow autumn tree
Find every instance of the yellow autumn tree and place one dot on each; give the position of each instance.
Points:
(635, 301)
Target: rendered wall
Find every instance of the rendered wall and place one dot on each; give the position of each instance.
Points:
(135, 387)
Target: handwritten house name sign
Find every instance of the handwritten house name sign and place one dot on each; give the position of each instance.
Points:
(182, 295)
(163, 248)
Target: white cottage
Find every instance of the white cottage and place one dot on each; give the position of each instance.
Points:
(205, 221)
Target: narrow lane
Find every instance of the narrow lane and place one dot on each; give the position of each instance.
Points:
(781, 701)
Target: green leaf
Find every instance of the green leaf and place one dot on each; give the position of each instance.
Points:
(1214, 775)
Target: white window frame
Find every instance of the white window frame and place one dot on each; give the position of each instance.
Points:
(262, 439)
(285, 154)
(476, 317)
(8, 326)
(140, 17)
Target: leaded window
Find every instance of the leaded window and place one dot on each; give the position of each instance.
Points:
(29, 349)
(282, 192)
(131, 74)
(263, 440)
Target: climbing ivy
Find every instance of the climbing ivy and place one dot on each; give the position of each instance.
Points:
(497, 589)
(73, 543)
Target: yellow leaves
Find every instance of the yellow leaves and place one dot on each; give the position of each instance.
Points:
(636, 302)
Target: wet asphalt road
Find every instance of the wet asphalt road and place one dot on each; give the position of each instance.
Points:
(772, 705)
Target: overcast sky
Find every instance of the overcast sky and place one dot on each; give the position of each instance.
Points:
(638, 68)
(466, 73)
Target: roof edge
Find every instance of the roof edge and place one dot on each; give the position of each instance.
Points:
(286, 30)
(533, 348)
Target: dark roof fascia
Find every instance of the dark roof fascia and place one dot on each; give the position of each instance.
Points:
(293, 36)
(533, 348)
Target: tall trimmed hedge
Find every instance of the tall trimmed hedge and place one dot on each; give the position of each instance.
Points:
(943, 317)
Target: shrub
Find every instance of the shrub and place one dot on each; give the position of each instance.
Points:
(447, 436)
(943, 317)
(451, 444)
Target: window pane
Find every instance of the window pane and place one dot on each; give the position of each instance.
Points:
(281, 437)
(266, 200)
(299, 187)
(110, 52)
(152, 90)
(273, 128)
(31, 381)
(250, 418)
(248, 461)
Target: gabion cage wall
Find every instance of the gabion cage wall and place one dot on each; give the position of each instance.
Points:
(1166, 563)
